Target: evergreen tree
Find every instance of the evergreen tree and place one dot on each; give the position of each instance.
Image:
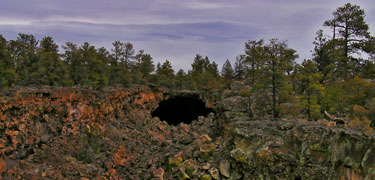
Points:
(7, 73)
(165, 74)
(94, 66)
(210, 78)
(180, 79)
(114, 63)
(279, 58)
(310, 88)
(102, 69)
(143, 67)
(350, 30)
(49, 69)
(227, 72)
(213, 70)
(23, 54)
(254, 57)
(72, 60)
(324, 56)
(128, 53)
(200, 64)
(240, 67)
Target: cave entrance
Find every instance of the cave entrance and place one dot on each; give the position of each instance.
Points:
(181, 109)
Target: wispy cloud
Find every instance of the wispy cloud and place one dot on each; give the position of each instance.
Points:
(207, 5)
(13, 21)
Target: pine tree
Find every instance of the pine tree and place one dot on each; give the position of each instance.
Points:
(115, 60)
(128, 53)
(278, 61)
(49, 69)
(165, 74)
(349, 31)
(240, 67)
(200, 64)
(23, 53)
(72, 61)
(180, 79)
(254, 58)
(310, 88)
(7, 72)
(325, 56)
(227, 72)
(143, 67)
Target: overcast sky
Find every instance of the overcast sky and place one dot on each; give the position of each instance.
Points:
(175, 29)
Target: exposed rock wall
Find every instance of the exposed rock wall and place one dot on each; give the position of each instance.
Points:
(75, 133)
(293, 149)
(62, 133)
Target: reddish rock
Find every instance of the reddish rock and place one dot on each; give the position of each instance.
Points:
(2, 166)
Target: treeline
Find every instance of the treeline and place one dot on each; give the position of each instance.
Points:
(27, 61)
(339, 79)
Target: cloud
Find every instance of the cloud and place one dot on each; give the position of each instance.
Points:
(12, 21)
(206, 5)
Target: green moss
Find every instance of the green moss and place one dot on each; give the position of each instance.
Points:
(348, 161)
(175, 161)
(318, 147)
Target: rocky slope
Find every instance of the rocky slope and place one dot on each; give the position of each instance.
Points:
(298, 149)
(75, 133)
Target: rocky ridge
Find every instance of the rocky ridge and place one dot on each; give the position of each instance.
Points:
(75, 133)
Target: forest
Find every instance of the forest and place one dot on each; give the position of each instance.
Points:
(339, 79)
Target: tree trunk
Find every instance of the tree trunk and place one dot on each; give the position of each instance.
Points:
(346, 51)
(308, 98)
(273, 91)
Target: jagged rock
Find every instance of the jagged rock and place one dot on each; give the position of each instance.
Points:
(225, 168)
(207, 150)
(2, 166)
(158, 173)
(73, 133)
(214, 173)
(277, 147)
(206, 166)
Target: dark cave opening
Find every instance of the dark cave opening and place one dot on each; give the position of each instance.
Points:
(181, 109)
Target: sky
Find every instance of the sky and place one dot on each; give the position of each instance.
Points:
(176, 30)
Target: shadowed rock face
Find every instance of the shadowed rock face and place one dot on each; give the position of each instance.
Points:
(181, 109)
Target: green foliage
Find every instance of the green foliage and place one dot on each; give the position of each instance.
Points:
(333, 101)
(181, 79)
(165, 74)
(49, 69)
(90, 139)
(310, 88)
(255, 54)
(325, 55)
(240, 67)
(204, 74)
(357, 91)
(23, 53)
(227, 72)
(7, 73)
(274, 62)
(350, 32)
